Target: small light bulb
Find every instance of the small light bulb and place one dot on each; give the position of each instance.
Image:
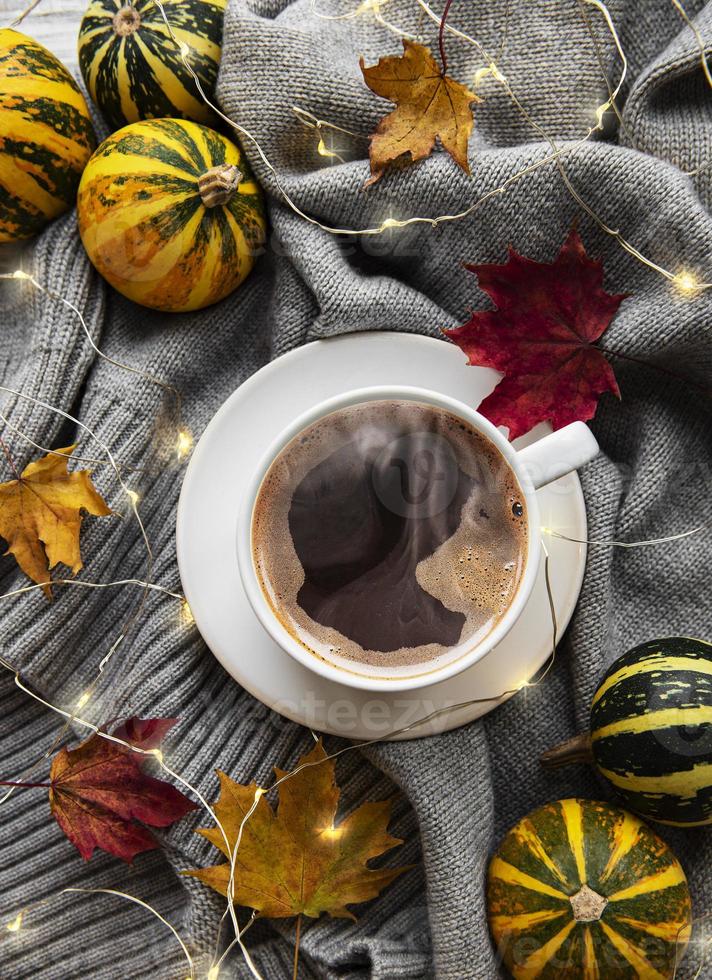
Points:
(686, 282)
(186, 614)
(332, 833)
(158, 754)
(184, 49)
(19, 274)
(213, 973)
(522, 685)
(16, 923)
(184, 443)
(259, 793)
(83, 699)
(391, 223)
(133, 497)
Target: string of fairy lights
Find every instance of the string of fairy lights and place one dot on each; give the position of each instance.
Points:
(74, 717)
(705, 943)
(698, 37)
(16, 923)
(25, 13)
(682, 279)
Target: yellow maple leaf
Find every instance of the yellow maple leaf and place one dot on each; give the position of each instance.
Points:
(40, 515)
(296, 860)
(429, 103)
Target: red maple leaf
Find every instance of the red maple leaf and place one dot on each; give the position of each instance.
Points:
(145, 733)
(541, 337)
(101, 797)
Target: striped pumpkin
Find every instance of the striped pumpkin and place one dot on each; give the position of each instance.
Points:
(651, 730)
(132, 67)
(585, 891)
(170, 214)
(46, 137)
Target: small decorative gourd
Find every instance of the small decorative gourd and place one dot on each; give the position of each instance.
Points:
(651, 731)
(132, 67)
(170, 214)
(585, 891)
(46, 137)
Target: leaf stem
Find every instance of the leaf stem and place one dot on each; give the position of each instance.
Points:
(8, 457)
(441, 35)
(9, 782)
(657, 367)
(296, 946)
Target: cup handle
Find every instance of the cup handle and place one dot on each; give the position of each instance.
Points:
(558, 453)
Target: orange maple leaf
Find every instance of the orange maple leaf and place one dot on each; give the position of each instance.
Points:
(429, 103)
(40, 515)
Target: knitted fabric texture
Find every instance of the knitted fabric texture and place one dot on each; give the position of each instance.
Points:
(461, 791)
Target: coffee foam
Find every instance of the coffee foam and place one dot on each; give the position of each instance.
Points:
(475, 572)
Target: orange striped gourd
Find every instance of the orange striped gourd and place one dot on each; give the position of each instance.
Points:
(46, 136)
(170, 214)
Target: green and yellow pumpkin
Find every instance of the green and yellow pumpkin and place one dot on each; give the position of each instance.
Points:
(46, 136)
(651, 731)
(133, 68)
(586, 891)
(170, 214)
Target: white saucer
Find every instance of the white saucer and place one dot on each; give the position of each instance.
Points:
(231, 446)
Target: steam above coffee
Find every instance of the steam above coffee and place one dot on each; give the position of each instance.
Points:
(387, 533)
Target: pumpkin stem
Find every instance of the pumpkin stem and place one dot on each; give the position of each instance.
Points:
(219, 184)
(126, 21)
(587, 905)
(577, 749)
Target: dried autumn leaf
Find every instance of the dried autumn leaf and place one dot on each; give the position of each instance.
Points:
(99, 793)
(40, 515)
(541, 338)
(429, 104)
(145, 733)
(296, 860)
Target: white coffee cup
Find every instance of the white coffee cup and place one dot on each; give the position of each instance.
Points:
(540, 463)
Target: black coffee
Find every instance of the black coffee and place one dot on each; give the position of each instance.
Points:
(389, 532)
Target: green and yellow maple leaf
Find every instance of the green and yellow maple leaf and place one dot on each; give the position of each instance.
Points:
(296, 860)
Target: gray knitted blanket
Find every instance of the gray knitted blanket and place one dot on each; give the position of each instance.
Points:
(460, 791)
